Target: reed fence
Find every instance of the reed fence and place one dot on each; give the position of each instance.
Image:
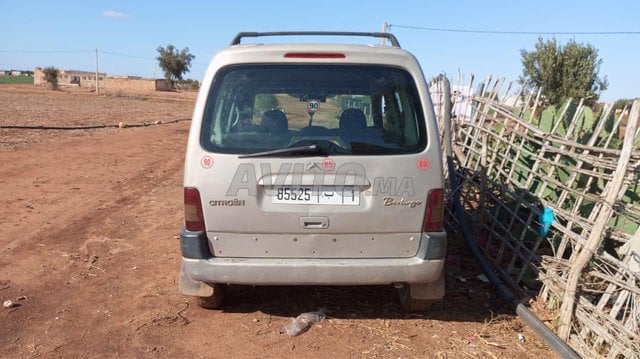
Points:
(553, 198)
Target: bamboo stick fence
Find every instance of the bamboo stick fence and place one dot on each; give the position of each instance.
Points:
(519, 170)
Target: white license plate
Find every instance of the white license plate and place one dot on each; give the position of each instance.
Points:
(347, 196)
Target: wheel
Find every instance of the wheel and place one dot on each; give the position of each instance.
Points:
(413, 304)
(215, 299)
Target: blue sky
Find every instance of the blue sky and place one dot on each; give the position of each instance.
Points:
(126, 33)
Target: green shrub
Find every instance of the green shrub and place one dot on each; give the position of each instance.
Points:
(50, 75)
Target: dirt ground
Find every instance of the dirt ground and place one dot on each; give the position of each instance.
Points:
(89, 226)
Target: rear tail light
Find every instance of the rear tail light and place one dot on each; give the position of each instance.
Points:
(434, 214)
(193, 218)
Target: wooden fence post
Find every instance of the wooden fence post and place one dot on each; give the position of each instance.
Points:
(585, 255)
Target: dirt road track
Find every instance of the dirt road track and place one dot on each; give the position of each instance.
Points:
(91, 231)
(88, 237)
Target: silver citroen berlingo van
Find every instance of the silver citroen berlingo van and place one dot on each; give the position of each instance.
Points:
(313, 164)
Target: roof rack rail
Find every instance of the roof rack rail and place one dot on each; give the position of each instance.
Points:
(384, 35)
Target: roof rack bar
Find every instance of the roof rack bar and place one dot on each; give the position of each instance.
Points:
(385, 35)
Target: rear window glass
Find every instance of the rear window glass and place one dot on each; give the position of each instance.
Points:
(367, 110)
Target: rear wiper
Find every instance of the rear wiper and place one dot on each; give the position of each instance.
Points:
(290, 151)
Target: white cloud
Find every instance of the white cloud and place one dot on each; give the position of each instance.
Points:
(114, 14)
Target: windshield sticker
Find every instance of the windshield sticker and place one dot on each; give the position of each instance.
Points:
(313, 106)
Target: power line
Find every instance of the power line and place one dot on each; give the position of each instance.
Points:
(500, 32)
(72, 52)
(126, 55)
(88, 51)
(44, 51)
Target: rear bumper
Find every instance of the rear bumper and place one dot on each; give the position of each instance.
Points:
(266, 271)
(425, 267)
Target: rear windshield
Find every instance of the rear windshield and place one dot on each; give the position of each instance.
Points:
(366, 110)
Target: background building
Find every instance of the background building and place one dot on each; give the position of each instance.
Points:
(87, 79)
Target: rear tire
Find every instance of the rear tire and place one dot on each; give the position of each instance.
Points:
(216, 299)
(413, 304)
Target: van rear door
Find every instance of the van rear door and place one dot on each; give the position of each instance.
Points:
(315, 161)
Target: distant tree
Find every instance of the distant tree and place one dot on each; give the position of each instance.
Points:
(173, 62)
(622, 103)
(266, 102)
(50, 75)
(563, 71)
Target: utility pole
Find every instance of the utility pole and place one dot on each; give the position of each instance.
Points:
(385, 29)
(97, 84)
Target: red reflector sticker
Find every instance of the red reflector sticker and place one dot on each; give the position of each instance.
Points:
(422, 164)
(314, 55)
(206, 162)
(329, 165)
